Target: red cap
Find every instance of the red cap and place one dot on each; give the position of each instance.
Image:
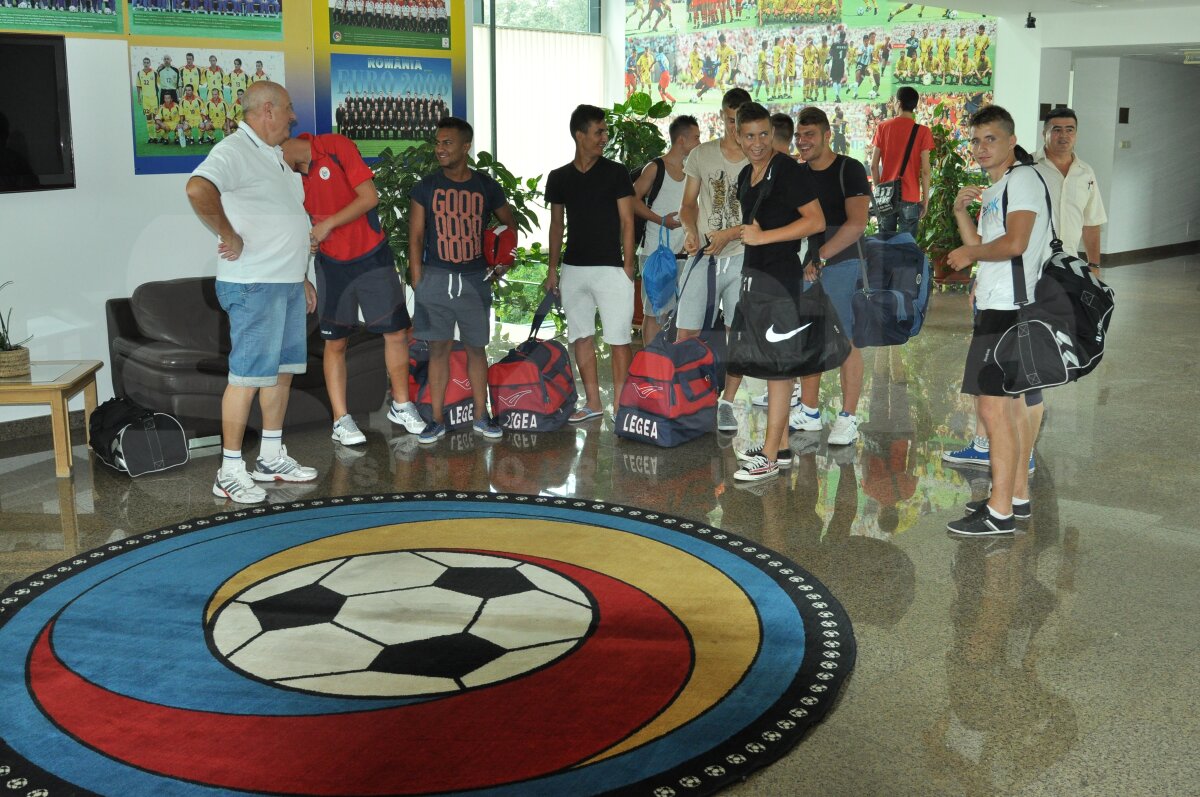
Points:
(499, 246)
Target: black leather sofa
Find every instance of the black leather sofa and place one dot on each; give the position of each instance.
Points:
(169, 345)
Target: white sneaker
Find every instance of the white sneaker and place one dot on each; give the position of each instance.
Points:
(282, 469)
(801, 421)
(406, 415)
(844, 431)
(726, 419)
(239, 487)
(346, 432)
(761, 399)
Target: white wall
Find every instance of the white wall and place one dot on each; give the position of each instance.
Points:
(1156, 199)
(69, 251)
(1018, 68)
(540, 77)
(1055, 82)
(1095, 102)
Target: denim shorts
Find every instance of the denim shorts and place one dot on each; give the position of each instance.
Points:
(267, 328)
(839, 281)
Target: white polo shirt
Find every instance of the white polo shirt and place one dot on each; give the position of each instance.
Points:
(1076, 200)
(264, 200)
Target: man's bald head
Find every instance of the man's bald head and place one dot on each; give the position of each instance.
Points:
(268, 110)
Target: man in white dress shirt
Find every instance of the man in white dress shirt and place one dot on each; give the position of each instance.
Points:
(1074, 192)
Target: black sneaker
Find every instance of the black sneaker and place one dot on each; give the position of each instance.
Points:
(981, 523)
(1020, 511)
(783, 457)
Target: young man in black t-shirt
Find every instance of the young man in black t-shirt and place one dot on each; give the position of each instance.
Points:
(774, 231)
(835, 257)
(597, 267)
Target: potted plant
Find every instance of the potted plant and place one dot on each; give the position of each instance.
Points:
(634, 139)
(937, 233)
(14, 357)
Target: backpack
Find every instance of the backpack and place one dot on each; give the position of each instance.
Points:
(458, 408)
(532, 388)
(135, 440)
(639, 224)
(670, 392)
(1059, 337)
(660, 274)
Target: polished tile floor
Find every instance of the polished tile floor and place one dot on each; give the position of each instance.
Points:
(1062, 661)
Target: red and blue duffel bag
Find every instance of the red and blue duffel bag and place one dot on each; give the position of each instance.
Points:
(458, 407)
(670, 394)
(532, 388)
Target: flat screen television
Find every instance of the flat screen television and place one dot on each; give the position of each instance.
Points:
(35, 114)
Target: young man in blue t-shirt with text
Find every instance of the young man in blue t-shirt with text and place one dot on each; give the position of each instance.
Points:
(451, 283)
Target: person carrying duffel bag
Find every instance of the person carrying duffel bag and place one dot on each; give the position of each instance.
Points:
(780, 331)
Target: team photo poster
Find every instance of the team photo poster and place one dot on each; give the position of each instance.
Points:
(208, 19)
(383, 101)
(410, 24)
(788, 54)
(62, 16)
(185, 100)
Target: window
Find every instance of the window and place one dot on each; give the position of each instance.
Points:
(571, 16)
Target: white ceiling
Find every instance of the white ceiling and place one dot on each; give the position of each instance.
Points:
(1007, 8)
(1165, 53)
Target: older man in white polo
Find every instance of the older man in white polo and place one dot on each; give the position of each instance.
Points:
(246, 194)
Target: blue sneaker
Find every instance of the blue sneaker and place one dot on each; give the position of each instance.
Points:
(431, 433)
(971, 455)
(487, 427)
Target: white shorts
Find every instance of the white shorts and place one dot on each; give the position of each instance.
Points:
(693, 295)
(586, 289)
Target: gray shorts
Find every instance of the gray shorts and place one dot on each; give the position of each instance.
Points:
(445, 298)
(693, 297)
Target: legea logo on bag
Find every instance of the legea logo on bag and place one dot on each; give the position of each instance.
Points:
(645, 391)
(512, 400)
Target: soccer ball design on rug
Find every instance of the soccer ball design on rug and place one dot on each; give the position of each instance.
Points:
(413, 644)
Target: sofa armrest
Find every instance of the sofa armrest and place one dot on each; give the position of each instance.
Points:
(169, 357)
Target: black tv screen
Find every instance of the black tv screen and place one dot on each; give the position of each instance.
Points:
(35, 114)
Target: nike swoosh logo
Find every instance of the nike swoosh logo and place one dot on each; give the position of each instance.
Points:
(774, 337)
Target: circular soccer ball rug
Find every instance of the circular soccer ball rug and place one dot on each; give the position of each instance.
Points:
(414, 644)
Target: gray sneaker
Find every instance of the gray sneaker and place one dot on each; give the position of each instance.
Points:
(726, 419)
(346, 432)
(238, 487)
(282, 469)
(406, 415)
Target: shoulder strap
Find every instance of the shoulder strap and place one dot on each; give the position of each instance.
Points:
(764, 191)
(862, 259)
(912, 138)
(658, 181)
(1020, 294)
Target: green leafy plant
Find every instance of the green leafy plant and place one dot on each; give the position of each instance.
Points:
(397, 174)
(633, 137)
(937, 233)
(6, 341)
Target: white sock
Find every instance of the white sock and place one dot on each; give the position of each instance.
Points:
(1020, 501)
(271, 445)
(997, 515)
(982, 443)
(807, 410)
(231, 461)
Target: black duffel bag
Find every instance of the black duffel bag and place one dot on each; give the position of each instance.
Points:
(778, 336)
(135, 440)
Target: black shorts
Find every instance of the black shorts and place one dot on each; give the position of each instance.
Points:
(370, 283)
(1032, 397)
(981, 375)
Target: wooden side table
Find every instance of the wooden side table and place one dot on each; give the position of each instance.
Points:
(55, 382)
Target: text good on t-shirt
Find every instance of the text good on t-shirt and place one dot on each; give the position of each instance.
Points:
(828, 185)
(791, 188)
(455, 215)
(593, 221)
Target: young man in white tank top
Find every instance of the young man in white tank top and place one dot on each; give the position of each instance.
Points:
(663, 211)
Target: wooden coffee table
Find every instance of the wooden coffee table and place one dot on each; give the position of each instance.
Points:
(55, 382)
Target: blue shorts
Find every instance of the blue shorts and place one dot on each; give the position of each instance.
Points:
(839, 281)
(268, 330)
